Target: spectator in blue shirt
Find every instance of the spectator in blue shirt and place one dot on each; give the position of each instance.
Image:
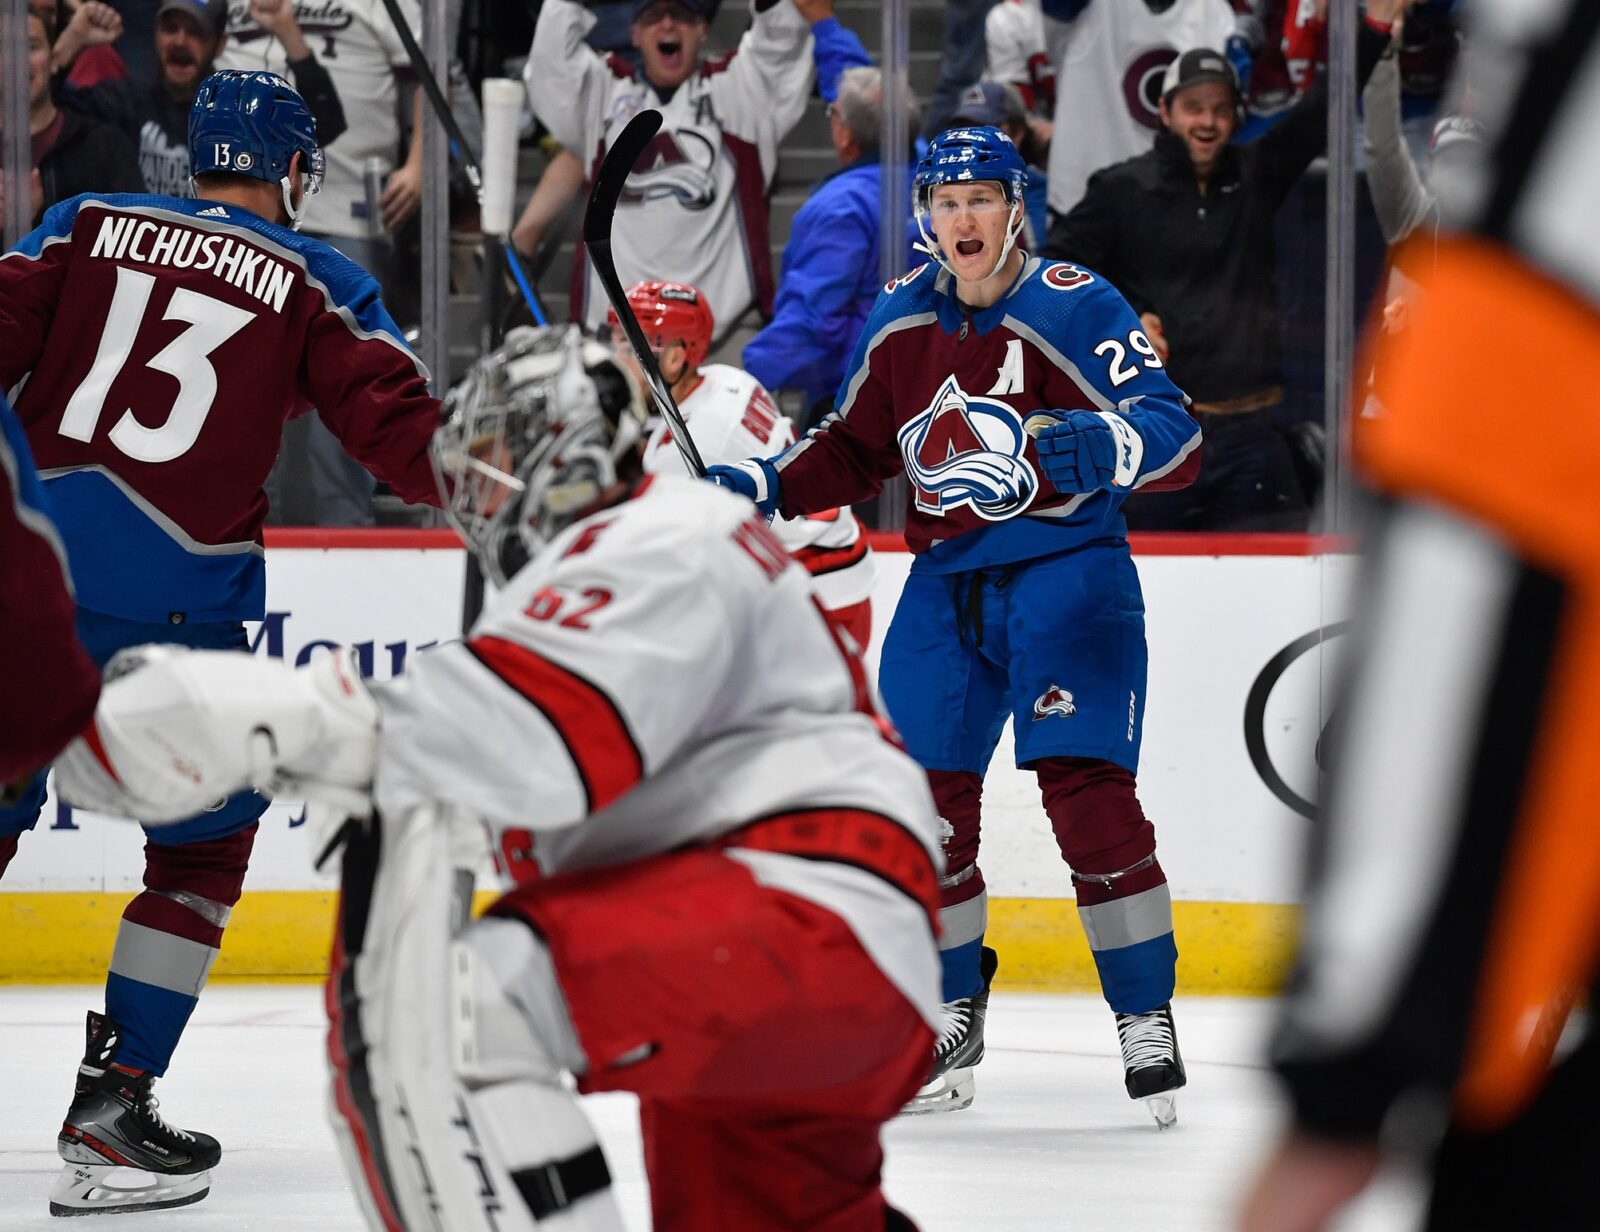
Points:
(830, 264)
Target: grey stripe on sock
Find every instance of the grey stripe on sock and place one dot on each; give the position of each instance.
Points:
(963, 923)
(158, 958)
(1128, 921)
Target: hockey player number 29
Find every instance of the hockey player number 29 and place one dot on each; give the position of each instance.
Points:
(185, 358)
(1121, 370)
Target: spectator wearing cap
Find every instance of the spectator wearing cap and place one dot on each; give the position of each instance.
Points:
(831, 272)
(189, 36)
(72, 153)
(1186, 232)
(1109, 57)
(991, 103)
(696, 206)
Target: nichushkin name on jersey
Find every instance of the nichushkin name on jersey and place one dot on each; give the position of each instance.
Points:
(138, 239)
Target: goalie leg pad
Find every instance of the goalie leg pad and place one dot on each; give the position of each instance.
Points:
(451, 1109)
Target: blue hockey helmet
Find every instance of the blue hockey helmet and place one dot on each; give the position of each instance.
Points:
(969, 156)
(253, 123)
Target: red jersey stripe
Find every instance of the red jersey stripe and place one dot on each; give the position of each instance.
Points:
(589, 724)
(818, 561)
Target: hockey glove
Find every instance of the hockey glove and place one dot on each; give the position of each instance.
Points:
(755, 479)
(1084, 451)
(177, 730)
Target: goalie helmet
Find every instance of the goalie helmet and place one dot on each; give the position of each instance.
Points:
(532, 439)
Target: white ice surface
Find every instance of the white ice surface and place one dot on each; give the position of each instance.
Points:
(1052, 1141)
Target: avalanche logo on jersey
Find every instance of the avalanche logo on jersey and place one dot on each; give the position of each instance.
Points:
(967, 450)
(677, 163)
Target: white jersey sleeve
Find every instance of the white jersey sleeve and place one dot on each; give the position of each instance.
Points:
(1014, 34)
(731, 416)
(763, 91)
(569, 84)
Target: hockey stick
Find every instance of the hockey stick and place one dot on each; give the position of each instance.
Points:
(597, 218)
(468, 156)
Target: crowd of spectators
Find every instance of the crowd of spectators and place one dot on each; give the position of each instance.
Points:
(1161, 171)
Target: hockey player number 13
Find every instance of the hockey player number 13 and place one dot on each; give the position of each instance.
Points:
(211, 323)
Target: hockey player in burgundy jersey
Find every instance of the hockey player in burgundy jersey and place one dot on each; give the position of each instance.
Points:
(732, 416)
(1023, 403)
(164, 342)
(727, 870)
(40, 656)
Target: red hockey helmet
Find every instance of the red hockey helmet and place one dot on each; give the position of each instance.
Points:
(671, 312)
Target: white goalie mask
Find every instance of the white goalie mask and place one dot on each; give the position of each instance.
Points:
(532, 438)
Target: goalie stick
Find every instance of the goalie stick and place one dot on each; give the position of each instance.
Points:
(597, 218)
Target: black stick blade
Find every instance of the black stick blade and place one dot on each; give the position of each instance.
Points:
(614, 172)
(597, 219)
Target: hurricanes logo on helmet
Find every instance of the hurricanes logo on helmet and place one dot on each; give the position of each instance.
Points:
(1054, 700)
(966, 450)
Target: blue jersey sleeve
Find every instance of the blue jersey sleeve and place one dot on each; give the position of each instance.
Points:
(1103, 344)
(836, 48)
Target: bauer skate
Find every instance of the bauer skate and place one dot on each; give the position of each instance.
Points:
(951, 1086)
(121, 1156)
(1153, 1067)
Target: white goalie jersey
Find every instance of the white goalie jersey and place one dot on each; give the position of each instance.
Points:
(732, 417)
(658, 676)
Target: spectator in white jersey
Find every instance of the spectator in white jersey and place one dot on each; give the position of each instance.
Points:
(697, 210)
(189, 36)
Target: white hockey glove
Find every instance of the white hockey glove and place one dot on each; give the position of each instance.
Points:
(176, 730)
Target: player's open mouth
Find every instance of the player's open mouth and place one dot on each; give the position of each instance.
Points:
(671, 50)
(968, 248)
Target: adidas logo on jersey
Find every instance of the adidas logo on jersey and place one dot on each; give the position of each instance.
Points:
(216, 211)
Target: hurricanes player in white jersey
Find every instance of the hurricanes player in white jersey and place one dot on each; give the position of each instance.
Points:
(732, 417)
(726, 867)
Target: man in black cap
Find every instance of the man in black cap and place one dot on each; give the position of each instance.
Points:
(1186, 232)
(189, 36)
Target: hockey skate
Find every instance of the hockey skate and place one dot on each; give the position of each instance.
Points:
(1153, 1067)
(951, 1086)
(121, 1156)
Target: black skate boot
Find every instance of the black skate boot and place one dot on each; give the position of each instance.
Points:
(113, 1126)
(1152, 1063)
(950, 1086)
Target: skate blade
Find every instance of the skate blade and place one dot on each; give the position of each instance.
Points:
(949, 1092)
(107, 1189)
(1164, 1108)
